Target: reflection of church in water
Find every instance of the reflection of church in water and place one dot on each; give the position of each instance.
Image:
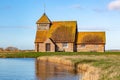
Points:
(51, 71)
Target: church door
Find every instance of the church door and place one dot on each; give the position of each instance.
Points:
(37, 47)
(47, 46)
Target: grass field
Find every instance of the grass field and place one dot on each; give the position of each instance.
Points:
(37, 54)
(108, 62)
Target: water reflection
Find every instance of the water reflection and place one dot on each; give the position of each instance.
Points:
(51, 71)
(30, 69)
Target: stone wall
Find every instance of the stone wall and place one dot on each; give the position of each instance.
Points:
(90, 48)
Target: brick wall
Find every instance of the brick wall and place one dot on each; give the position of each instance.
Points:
(42, 46)
(35, 47)
(70, 48)
(91, 48)
(52, 45)
(39, 47)
(67, 49)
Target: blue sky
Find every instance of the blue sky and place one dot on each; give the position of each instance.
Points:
(18, 18)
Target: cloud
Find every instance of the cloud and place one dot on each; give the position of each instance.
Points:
(76, 6)
(114, 5)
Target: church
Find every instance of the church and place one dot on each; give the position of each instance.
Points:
(63, 36)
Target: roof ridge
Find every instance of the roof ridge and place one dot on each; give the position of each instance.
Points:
(92, 32)
(66, 21)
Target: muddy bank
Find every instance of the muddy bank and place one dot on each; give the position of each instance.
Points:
(88, 72)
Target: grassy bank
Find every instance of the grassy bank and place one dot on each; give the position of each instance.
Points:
(37, 54)
(109, 65)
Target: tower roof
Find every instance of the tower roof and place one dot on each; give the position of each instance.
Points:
(44, 19)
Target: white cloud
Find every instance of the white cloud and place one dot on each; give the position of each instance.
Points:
(76, 6)
(114, 5)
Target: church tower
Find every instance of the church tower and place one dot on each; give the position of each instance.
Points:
(43, 23)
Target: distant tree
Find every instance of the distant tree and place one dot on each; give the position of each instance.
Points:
(1, 49)
(11, 49)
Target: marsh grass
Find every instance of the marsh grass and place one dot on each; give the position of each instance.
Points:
(109, 65)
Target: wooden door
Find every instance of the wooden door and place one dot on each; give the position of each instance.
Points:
(47, 46)
(37, 47)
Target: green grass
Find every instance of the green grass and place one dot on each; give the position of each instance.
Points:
(37, 54)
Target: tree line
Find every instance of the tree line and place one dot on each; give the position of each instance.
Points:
(10, 48)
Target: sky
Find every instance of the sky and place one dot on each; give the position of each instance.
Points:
(18, 19)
